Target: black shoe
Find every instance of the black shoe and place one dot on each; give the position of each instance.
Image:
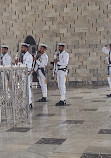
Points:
(61, 103)
(30, 106)
(109, 95)
(42, 100)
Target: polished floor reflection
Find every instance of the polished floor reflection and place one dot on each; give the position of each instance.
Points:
(80, 130)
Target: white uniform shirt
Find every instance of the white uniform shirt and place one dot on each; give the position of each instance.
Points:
(63, 60)
(106, 51)
(42, 61)
(6, 59)
(28, 60)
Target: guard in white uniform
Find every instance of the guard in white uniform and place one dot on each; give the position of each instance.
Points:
(41, 64)
(6, 60)
(27, 61)
(108, 52)
(61, 70)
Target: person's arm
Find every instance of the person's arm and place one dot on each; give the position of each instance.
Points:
(65, 60)
(10, 60)
(28, 62)
(43, 62)
(36, 67)
(7, 61)
(105, 50)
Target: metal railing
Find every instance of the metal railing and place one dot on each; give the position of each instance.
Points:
(14, 94)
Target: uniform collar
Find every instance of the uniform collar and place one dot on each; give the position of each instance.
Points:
(43, 54)
(5, 54)
(26, 53)
(62, 52)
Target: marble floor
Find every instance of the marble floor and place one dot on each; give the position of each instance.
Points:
(82, 129)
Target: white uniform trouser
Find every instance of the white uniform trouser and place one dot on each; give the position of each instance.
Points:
(4, 81)
(30, 90)
(109, 78)
(61, 78)
(43, 84)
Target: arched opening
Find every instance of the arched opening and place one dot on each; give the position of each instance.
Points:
(30, 40)
(32, 49)
(33, 46)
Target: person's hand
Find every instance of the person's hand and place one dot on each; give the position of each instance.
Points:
(33, 70)
(16, 61)
(55, 61)
(35, 58)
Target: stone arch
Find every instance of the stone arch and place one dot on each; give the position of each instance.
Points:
(33, 46)
(30, 40)
(32, 49)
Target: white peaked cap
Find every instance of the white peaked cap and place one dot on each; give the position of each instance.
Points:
(4, 46)
(25, 44)
(43, 45)
(61, 44)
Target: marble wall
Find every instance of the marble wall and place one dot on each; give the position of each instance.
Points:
(84, 25)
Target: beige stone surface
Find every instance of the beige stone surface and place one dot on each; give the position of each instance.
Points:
(83, 25)
(89, 105)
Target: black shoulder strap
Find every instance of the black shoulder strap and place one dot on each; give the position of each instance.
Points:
(109, 58)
